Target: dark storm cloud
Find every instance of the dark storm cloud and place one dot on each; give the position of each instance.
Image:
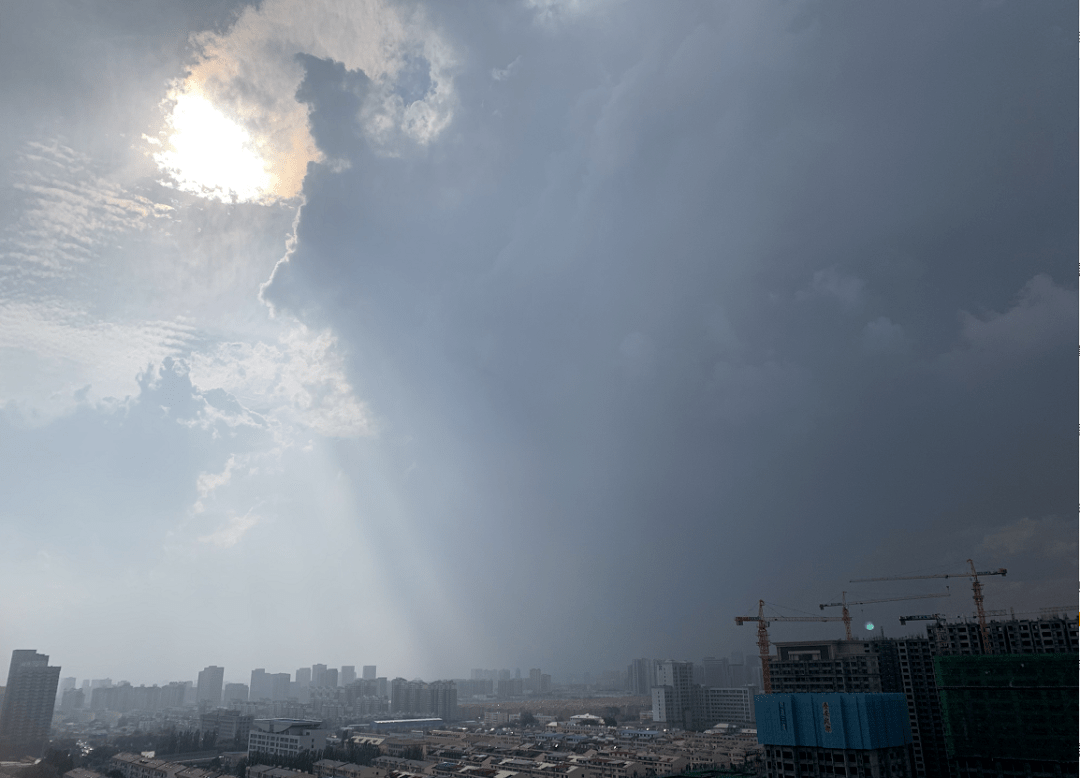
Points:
(335, 96)
(700, 304)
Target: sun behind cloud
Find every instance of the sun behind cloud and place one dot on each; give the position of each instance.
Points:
(210, 155)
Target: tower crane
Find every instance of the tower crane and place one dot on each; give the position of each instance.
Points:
(976, 588)
(763, 636)
(847, 616)
(924, 617)
(941, 638)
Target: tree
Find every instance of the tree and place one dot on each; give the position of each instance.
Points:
(527, 719)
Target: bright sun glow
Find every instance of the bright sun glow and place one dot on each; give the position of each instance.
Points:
(212, 156)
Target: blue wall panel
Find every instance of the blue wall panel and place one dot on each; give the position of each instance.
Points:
(856, 721)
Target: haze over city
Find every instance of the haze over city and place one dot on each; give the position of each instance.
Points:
(526, 335)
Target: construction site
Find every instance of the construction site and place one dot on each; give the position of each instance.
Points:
(979, 696)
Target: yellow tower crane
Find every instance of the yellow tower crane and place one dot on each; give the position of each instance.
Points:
(976, 588)
(763, 636)
(847, 616)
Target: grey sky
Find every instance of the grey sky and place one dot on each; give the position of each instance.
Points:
(562, 335)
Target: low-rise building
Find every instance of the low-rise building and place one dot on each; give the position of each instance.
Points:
(328, 768)
(231, 726)
(139, 766)
(266, 771)
(286, 737)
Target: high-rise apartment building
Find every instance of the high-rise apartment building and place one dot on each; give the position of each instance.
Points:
(716, 673)
(318, 675)
(29, 699)
(641, 676)
(1009, 714)
(908, 665)
(210, 684)
(369, 672)
(1050, 635)
(280, 686)
(72, 700)
(444, 700)
(862, 735)
(235, 692)
(675, 697)
(66, 684)
(416, 697)
(852, 666)
(260, 688)
(348, 675)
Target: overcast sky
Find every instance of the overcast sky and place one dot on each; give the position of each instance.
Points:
(528, 334)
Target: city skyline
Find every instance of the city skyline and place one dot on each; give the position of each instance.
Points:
(553, 335)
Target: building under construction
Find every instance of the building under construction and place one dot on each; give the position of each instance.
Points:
(913, 665)
(1011, 714)
(852, 666)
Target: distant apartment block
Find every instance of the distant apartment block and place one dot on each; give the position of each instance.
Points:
(209, 686)
(641, 676)
(369, 673)
(29, 699)
(72, 700)
(269, 686)
(675, 697)
(124, 697)
(438, 698)
(731, 706)
(235, 692)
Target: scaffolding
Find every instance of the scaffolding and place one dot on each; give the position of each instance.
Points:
(1018, 706)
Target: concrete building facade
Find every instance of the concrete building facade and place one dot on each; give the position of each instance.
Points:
(675, 697)
(29, 699)
(209, 686)
(848, 666)
(731, 706)
(865, 735)
(286, 737)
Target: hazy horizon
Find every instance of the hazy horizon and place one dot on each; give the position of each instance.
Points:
(529, 334)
